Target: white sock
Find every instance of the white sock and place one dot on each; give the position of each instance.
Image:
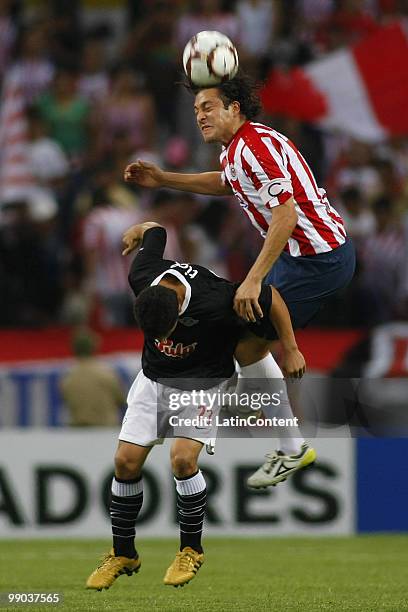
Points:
(190, 486)
(290, 437)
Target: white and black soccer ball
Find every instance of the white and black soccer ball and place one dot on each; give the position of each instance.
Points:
(209, 58)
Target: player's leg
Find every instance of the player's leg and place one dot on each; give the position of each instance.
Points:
(137, 436)
(256, 362)
(293, 453)
(191, 501)
(127, 497)
(126, 503)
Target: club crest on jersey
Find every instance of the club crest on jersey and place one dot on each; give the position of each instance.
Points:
(233, 172)
(188, 321)
(179, 351)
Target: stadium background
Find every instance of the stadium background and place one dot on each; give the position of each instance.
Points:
(89, 86)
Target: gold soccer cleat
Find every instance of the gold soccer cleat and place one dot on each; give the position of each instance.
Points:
(184, 567)
(111, 568)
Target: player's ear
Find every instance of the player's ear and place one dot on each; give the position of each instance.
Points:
(236, 107)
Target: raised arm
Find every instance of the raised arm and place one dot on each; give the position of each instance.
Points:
(146, 174)
(133, 236)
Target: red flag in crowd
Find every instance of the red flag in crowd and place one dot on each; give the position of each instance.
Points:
(362, 90)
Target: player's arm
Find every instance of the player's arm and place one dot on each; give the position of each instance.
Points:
(293, 363)
(269, 174)
(284, 219)
(133, 236)
(152, 239)
(146, 174)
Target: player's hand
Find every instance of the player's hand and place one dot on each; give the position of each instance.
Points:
(131, 239)
(144, 174)
(293, 364)
(246, 303)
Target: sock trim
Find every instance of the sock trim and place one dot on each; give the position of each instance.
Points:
(128, 481)
(192, 485)
(127, 488)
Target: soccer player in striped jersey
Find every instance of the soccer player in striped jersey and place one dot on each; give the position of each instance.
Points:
(306, 255)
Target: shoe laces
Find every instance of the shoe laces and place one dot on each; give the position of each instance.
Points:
(185, 559)
(108, 561)
(270, 460)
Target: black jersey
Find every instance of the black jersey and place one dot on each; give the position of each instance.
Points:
(203, 342)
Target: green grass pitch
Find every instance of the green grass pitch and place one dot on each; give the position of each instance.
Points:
(367, 573)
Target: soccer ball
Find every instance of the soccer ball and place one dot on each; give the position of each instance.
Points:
(210, 58)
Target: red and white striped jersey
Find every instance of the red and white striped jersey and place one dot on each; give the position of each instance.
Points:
(265, 169)
(102, 231)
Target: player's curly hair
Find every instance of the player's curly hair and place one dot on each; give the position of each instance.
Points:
(243, 89)
(156, 311)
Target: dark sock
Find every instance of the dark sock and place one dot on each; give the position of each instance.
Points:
(127, 499)
(191, 510)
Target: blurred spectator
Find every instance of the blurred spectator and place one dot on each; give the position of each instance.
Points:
(93, 82)
(150, 47)
(206, 15)
(106, 270)
(382, 259)
(48, 162)
(128, 108)
(358, 218)
(315, 12)
(351, 22)
(196, 243)
(92, 391)
(28, 274)
(32, 64)
(66, 114)
(64, 30)
(391, 183)
(355, 167)
(167, 209)
(258, 21)
(8, 32)
(107, 185)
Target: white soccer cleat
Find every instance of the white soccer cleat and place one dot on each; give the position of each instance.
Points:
(278, 467)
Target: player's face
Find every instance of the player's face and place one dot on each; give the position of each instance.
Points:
(214, 120)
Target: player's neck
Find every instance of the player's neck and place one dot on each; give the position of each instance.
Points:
(235, 127)
(176, 286)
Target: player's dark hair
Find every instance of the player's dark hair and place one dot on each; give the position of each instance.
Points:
(243, 89)
(156, 311)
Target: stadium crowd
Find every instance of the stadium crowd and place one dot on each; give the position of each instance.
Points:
(90, 89)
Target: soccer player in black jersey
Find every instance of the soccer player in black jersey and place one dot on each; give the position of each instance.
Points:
(191, 334)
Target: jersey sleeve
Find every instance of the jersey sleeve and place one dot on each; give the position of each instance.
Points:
(265, 166)
(153, 243)
(149, 254)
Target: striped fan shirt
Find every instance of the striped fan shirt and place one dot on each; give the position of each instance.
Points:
(265, 169)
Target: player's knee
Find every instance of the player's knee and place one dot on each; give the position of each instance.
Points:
(183, 465)
(126, 466)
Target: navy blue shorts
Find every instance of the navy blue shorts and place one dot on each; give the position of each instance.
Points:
(306, 282)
